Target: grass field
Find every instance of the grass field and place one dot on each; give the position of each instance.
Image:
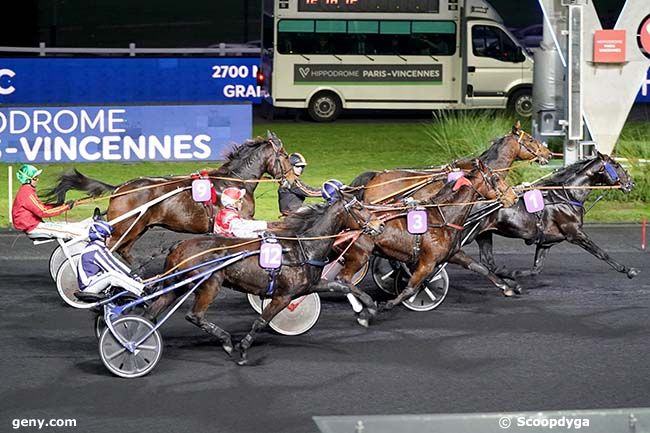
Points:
(343, 150)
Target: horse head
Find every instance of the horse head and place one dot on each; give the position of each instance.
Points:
(613, 173)
(529, 147)
(492, 186)
(277, 159)
(357, 216)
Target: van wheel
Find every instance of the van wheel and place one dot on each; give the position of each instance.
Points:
(521, 103)
(324, 107)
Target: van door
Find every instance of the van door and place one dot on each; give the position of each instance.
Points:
(494, 65)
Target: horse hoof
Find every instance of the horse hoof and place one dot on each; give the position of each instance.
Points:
(228, 348)
(518, 289)
(372, 311)
(508, 292)
(363, 322)
(632, 272)
(242, 362)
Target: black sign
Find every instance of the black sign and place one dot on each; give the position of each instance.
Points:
(430, 6)
(368, 73)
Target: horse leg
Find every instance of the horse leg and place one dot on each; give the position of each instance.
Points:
(363, 317)
(278, 303)
(125, 245)
(581, 239)
(159, 305)
(204, 297)
(540, 257)
(468, 262)
(425, 266)
(486, 254)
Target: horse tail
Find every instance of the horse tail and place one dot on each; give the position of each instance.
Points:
(361, 181)
(73, 180)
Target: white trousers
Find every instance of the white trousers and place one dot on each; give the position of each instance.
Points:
(60, 230)
(115, 279)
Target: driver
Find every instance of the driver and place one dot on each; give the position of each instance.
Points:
(28, 210)
(229, 222)
(98, 269)
(292, 194)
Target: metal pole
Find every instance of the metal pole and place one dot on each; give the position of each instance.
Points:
(10, 187)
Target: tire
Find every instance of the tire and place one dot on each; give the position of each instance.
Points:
(430, 295)
(521, 103)
(58, 256)
(299, 317)
(383, 273)
(324, 107)
(66, 284)
(120, 361)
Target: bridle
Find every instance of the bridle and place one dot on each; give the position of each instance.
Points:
(279, 152)
(365, 225)
(522, 143)
(490, 181)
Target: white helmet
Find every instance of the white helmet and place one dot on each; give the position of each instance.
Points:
(232, 195)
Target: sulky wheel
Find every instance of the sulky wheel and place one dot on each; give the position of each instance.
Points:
(299, 316)
(383, 273)
(58, 256)
(66, 284)
(123, 362)
(256, 302)
(431, 294)
(99, 324)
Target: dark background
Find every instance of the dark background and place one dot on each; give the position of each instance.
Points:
(175, 24)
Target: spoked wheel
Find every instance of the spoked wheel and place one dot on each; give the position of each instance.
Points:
(66, 284)
(256, 302)
(58, 257)
(299, 316)
(120, 361)
(431, 294)
(99, 325)
(383, 273)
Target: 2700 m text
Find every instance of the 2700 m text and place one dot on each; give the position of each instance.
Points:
(233, 71)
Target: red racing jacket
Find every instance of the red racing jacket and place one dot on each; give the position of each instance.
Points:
(28, 210)
(223, 221)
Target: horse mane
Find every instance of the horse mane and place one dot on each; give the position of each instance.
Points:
(301, 221)
(245, 149)
(493, 149)
(568, 172)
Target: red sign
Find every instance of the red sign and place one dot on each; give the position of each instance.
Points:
(609, 46)
(644, 36)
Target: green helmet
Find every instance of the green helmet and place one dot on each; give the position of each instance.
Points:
(26, 173)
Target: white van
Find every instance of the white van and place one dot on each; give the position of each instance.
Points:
(330, 55)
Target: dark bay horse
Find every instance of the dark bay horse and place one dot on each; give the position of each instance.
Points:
(562, 216)
(389, 185)
(180, 213)
(446, 213)
(301, 265)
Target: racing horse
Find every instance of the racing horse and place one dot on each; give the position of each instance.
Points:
(446, 213)
(560, 220)
(300, 274)
(392, 185)
(179, 212)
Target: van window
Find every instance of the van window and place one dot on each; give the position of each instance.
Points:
(490, 41)
(367, 37)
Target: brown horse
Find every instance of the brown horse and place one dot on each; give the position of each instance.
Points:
(393, 185)
(180, 213)
(446, 213)
(301, 265)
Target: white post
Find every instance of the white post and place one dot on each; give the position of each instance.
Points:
(10, 187)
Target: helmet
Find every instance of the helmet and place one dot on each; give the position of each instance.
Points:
(26, 173)
(297, 160)
(99, 230)
(231, 195)
(331, 190)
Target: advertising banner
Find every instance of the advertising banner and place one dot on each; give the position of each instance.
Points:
(127, 80)
(122, 133)
(367, 74)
